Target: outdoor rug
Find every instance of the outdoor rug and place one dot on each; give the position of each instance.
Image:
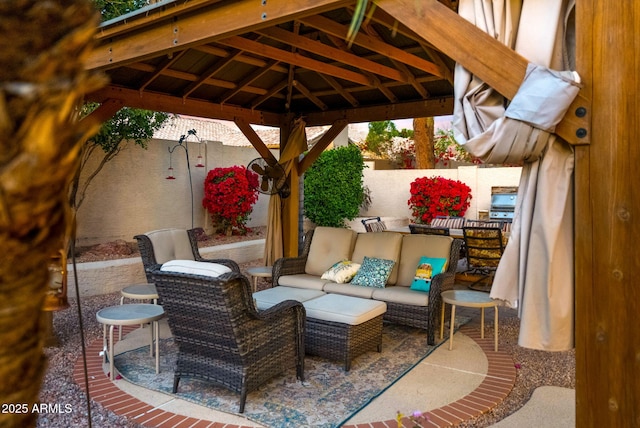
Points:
(327, 398)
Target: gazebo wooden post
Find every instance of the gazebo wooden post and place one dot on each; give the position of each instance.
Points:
(291, 207)
(607, 210)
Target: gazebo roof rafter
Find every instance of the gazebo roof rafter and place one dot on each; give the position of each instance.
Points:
(266, 63)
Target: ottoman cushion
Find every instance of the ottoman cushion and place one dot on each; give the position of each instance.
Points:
(344, 309)
(272, 296)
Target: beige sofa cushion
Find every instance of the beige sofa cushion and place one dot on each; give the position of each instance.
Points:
(416, 246)
(170, 244)
(348, 290)
(381, 245)
(402, 295)
(303, 280)
(329, 245)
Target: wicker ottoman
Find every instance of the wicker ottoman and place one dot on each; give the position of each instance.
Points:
(343, 327)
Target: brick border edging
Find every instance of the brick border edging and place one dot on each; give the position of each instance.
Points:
(498, 382)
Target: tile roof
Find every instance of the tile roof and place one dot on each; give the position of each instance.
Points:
(230, 135)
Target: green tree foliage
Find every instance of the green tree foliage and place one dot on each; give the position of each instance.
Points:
(333, 187)
(128, 124)
(110, 9)
(380, 135)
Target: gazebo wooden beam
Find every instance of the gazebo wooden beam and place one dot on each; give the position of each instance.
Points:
(175, 104)
(175, 30)
(462, 41)
(321, 144)
(423, 108)
(255, 139)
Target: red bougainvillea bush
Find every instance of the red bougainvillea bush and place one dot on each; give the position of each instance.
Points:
(229, 196)
(438, 196)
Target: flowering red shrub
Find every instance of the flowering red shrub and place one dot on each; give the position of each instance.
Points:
(431, 197)
(229, 195)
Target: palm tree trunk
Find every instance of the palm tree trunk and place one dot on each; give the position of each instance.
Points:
(423, 142)
(42, 80)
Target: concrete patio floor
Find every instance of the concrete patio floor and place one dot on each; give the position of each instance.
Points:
(451, 386)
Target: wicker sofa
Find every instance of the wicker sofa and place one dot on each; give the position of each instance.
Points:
(325, 246)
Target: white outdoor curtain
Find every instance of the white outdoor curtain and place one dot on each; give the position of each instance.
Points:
(296, 144)
(536, 270)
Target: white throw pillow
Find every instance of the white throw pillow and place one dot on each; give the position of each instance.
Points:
(341, 272)
(195, 268)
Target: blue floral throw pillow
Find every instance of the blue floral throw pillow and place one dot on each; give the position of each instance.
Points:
(427, 268)
(373, 272)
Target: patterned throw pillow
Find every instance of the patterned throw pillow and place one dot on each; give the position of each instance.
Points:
(341, 272)
(427, 268)
(373, 272)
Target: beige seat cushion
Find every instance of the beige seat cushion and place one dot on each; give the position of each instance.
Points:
(416, 246)
(402, 295)
(381, 245)
(272, 296)
(303, 280)
(349, 290)
(344, 309)
(170, 244)
(329, 245)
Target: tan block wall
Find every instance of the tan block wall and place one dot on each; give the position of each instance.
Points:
(131, 195)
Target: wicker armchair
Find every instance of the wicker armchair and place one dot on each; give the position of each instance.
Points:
(160, 246)
(222, 338)
(484, 246)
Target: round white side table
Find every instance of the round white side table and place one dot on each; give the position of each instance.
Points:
(129, 314)
(139, 292)
(259, 272)
(144, 291)
(469, 299)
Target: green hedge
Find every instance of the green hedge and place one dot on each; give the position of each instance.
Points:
(333, 187)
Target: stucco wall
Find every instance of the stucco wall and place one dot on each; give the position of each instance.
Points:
(132, 195)
(390, 188)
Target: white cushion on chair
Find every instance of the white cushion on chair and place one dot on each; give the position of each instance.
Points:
(195, 268)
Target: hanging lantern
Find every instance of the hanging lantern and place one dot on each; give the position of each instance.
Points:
(200, 159)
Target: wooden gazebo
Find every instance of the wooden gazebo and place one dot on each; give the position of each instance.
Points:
(268, 62)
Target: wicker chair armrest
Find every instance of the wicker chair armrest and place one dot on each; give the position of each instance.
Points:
(226, 262)
(439, 283)
(275, 312)
(288, 266)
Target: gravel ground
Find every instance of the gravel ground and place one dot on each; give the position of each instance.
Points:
(535, 368)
